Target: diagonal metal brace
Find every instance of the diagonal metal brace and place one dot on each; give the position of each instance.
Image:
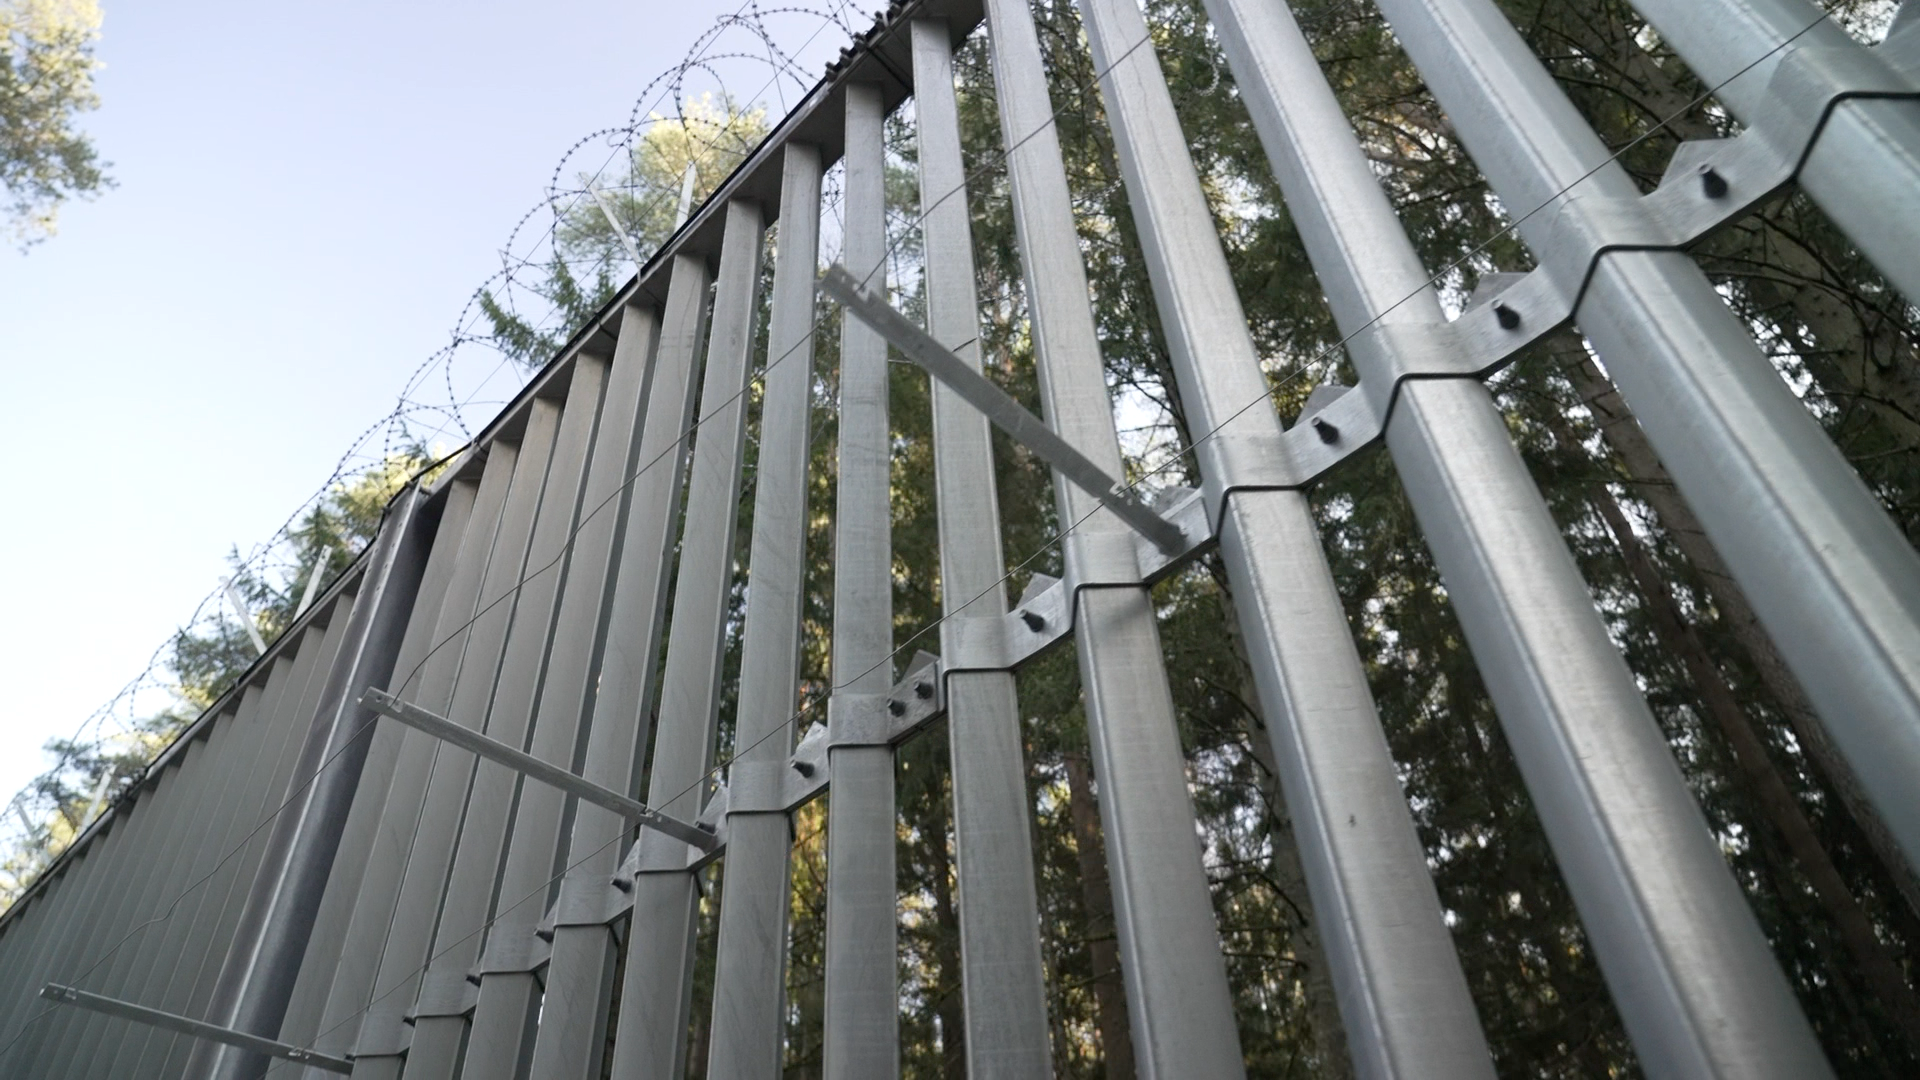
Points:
(1007, 414)
(199, 1029)
(526, 764)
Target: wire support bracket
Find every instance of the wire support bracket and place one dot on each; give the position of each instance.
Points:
(1709, 184)
(702, 837)
(997, 406)
(199, 1029)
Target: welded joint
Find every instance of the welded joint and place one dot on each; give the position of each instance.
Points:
(758, 787)
(855, 719)
(519, 953)
(443, 994)
(1045, 613)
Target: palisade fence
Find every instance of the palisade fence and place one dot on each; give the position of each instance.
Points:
(418, 835)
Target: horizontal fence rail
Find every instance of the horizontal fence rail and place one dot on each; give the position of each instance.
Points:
(461, 819)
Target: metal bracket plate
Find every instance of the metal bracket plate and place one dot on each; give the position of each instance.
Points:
(1708, 185)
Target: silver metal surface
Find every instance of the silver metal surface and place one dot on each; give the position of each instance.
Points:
(1864, 169)
(749, 984)
(257, 978)
(862, 1040)
(1180, 1009)
(509, 995)
(310, 877)
(1403, 998)
(384, 1035)
(1691, 973)
(572, 1037)
(658, 991)
(301, 1025)
(998, 406)
(1002, 974)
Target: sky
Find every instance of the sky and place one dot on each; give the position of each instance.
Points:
(307, 196)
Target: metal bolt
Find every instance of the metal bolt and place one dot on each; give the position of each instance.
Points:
(896, 706)
(923, 689)
(1712, 183)
(1327, 432)
(1034, 621)
(1508, 318)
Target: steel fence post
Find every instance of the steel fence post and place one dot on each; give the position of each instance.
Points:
(862, 1039)
(1864, 168)
(572, 1038)
(1001, 971)
(749, 983)
(1689, 969)
(1403, 997)
(258, 975)
(302, 1023)
(658, 990)
(383, 1033)
(472, 884)
(501, 1037)
(1177, 996)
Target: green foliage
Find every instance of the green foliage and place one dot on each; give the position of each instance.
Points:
(706, 137)
(46, 81)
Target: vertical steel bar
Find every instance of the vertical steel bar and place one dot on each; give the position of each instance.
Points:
(1002, 976)
(1831, 577)
(34, 930)
(572, 1039)
(501, 1039)
(1864, 170)
(221, 913)
(1177, 997)
(258, 973)
(172, 867)
(862, 1011)
(218, 831)
(440, 1023)
(186, 900)
(75, 923)
(658, 990)
(383, 1037)
(119, 922)
(749, 984)
(31, 1021)
(429, 684)
(165, 1053)
(1692, 975)
(302, 1022)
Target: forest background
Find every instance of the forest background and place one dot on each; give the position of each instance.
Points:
(1839, 905)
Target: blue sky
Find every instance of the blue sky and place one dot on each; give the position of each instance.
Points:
(307, 196)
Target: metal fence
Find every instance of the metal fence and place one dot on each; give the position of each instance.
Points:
(415, 838)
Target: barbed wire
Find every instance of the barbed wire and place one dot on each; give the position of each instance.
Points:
(437, 401)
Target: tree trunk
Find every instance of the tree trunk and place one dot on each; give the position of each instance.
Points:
(1652, 484)
(950, 1006)
(1109, 992)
